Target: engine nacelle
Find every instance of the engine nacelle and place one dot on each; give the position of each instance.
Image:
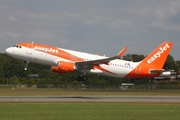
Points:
(63, 67)
(168, 73)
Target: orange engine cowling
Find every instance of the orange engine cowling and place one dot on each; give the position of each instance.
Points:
(63, 67)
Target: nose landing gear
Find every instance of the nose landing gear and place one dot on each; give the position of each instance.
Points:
(27, 63)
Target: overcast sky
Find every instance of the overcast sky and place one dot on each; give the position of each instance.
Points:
(95, 26)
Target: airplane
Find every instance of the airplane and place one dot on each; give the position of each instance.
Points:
(66, 61)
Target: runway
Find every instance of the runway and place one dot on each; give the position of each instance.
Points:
(148, 99)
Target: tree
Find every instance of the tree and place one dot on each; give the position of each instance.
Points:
(75, 84)
(14, 80)
(170, 64)
(133, 57)
(127, 57)
(137, 58)
(178, 64)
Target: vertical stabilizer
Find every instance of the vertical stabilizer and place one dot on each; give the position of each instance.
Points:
(158, 57)
(154, 61)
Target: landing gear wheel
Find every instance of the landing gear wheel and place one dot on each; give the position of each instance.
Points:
(82, 78)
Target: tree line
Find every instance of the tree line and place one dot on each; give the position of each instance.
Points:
(12, 72)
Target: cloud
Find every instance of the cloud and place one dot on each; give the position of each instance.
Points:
(103, 25)
(12, 18)
(11, 35)
(174, 7)
(90, 22)
(41, 34)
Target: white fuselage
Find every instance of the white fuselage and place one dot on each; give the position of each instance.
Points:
(116, 68)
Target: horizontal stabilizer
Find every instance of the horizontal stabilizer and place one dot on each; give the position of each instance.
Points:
(152, 71)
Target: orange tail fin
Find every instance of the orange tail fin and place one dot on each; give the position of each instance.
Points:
(158, 57)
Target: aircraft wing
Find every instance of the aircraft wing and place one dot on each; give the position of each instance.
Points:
(90, 64)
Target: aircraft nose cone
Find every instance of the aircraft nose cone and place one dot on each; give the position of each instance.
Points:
(8, 51)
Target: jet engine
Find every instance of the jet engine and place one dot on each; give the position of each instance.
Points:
(63, 67)
(168, 73)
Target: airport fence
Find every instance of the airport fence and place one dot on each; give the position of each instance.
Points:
(105, 87)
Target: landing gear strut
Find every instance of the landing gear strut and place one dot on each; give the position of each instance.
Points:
(27, 63)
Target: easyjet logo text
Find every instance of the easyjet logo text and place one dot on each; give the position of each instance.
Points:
(46, 49)
(158, 53)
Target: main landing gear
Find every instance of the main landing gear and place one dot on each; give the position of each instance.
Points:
(82, 78)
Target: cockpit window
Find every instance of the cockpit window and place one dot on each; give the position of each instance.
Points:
(17, 46)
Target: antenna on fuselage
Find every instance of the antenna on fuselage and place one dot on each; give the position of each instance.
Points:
(32, 42)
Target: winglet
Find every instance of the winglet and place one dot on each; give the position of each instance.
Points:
(121, 53)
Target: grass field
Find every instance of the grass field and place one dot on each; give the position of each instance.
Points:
(89, 111)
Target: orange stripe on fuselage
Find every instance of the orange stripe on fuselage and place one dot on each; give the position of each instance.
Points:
(100, 68)
(51, 50)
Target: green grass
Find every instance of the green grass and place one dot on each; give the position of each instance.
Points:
(89, 111)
